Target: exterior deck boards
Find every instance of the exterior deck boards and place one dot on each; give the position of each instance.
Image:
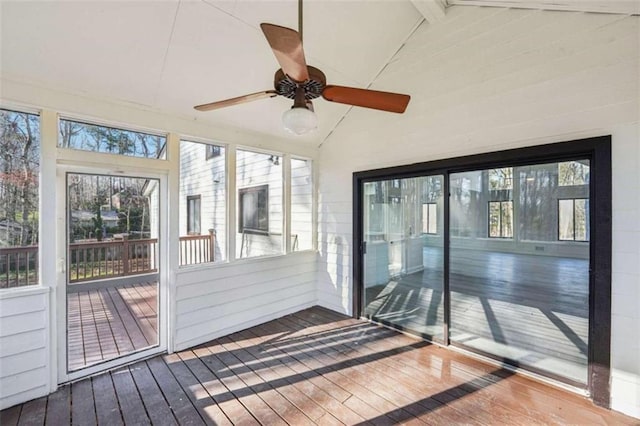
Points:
(106, 323)
(312, 367)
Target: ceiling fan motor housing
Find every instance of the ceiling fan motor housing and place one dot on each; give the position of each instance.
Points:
(313, 87)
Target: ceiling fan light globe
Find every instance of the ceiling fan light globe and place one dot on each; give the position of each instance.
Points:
(299, 120)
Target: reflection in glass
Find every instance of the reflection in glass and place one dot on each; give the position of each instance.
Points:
(517, 292)
(403, 264)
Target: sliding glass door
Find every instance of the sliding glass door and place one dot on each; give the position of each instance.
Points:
(519, 265)
(403, 260)
(499, 260)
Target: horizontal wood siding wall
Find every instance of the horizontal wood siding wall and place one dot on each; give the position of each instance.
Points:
(486, 79)
(217, 301)
(24, 349)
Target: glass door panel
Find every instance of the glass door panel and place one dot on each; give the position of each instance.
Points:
(403, 260)
(519, 265)
(112, 267)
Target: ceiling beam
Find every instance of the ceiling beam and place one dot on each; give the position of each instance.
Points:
(625, 7)
(432, 10)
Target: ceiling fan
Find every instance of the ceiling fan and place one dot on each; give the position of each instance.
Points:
(298, 81)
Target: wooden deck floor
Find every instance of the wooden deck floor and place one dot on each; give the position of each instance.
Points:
(107, 323)
(312, 367)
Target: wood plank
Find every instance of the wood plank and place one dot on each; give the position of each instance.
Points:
(108, 347)
(120, 333)
(90, 341)
(245, 394)
(83, 409)
(131, 406)
(324, 392)
(134, 331)
(107, 407)
(156, 405)
(59, 406)
(266, 390)
(234, 410)
(144, 316)
(33, 412)
(10, 416)
(209, 410)
(245, 350)
(183, 410)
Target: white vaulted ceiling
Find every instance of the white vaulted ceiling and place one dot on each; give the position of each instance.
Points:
(169, 55)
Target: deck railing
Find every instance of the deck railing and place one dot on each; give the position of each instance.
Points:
(18, 266)
(195, 249)
(108, 259)
(102, 259)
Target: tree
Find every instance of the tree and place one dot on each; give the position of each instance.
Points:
(19, 168)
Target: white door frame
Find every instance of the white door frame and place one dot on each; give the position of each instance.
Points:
(61, 254)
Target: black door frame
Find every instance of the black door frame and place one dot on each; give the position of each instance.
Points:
(598, 151)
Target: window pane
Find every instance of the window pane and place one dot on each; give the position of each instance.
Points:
(203, 204)
(92, 137)
(494, 219)
(509, 295)
(565, 212)
(301, 205)
(403, 264)
(581, 219)
(501, 178)
(19, 174)
(506, 219)
(433, 218)
(259, 182)
(573, 173)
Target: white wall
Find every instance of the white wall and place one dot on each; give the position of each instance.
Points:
(214, 302)
(24, 345)
(486, 79)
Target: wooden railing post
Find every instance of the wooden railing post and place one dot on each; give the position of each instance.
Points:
(125, 254)
(212, 235)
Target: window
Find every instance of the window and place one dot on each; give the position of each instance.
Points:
(253, 215)
(501, 219)
(573, 220)
(203, 204)
(500, 179)
(259, 178)
(92, 137)
(193, 215)
(212, 151)
(572, 173)
(301, 205)
(430, 218)
(19, 174)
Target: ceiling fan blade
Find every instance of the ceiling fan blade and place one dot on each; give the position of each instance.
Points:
(235, 101)
(287, 46)
(384, 101)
